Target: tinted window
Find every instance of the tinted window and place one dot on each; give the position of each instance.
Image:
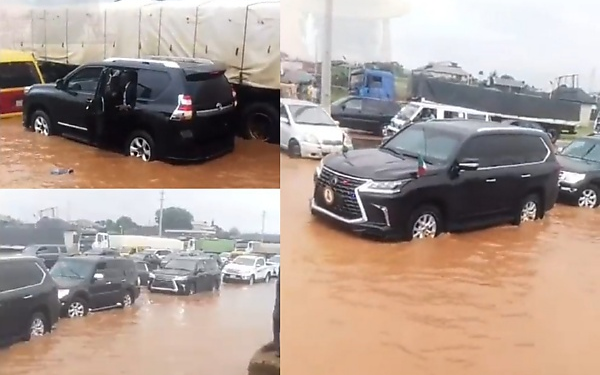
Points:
(476, 117)
(529, 148)
(209, 89)
(18, 74)
(373, 106)
(47, 250)
(260, 262)
(450, 114)
(151, 83)
(492, 150)
(141, 266)
(436, 145)
(283, 112)
(15, 275)
(163, 252)
(85, 80)
(355, 104)
(211, 265)
(114, 269)
(63, 249)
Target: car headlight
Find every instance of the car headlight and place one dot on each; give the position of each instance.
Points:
(347, 140)
(311, 138)
(151, 275)
(571, 177)
(384, 187)
(62, 293)
(319, 167)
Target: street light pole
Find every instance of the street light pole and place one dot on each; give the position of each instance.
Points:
(327, 57)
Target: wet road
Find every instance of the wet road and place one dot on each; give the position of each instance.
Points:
(161, 334)
(518, 301)
(26, 160)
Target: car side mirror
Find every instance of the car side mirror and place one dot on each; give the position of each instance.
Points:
(343, 107)
(60, 84)
(284, 120)
(98, 276)
(468, 164)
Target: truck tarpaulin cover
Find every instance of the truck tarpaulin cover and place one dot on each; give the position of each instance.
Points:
(493, 101)
(243, 34)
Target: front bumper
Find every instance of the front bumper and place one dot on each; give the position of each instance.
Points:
(319, 151)
(569, 193)
(168, 286)
(236, 277)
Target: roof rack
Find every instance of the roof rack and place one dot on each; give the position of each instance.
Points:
(197, 60)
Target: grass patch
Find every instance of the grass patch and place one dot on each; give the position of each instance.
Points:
(581, 131)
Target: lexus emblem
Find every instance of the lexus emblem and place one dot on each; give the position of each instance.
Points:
(328, 195)
(219, 106)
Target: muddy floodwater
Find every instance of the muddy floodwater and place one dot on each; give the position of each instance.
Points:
(27, 159)
(518, 301)
(161, 334)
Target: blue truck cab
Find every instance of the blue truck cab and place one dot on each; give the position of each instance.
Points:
(372, 83)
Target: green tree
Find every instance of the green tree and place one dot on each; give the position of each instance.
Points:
(234, 232)
(175, 218)
(125, 223)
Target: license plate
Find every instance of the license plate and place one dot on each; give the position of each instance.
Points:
(19, 103)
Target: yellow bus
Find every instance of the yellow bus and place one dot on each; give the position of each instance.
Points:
(18, 70)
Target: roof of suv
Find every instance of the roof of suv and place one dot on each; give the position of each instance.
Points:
(470, 127)
(165, 63)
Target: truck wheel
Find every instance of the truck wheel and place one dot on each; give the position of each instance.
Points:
(259, 121)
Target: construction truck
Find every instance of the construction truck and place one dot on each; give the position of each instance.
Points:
(126, 243)
(255, 248)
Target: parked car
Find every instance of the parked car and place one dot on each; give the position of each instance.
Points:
(150, 257)
(580, 172)
(29, 305)
(308, 131)
(552, 133)
(247, 269)
(90, 283)
(439, 176)
(144, 270)
(181, 110)
(364, 114)
(18, 70)
(104, 252)
(274, 263)
(187, 275)
(48, 253)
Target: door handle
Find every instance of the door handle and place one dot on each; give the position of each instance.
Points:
(28, 296)
(490, 180)
(525, 175)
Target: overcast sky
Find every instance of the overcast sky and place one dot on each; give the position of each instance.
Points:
(241, 208)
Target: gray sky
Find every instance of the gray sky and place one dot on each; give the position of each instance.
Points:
(241, 208)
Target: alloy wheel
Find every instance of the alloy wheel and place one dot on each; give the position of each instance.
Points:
(76, 310)
(588, 199)
(140, 148)
(41, 126)
(38, 328)
(529, 211)
(127, 301)
(424, 227)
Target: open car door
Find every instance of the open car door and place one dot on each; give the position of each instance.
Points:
(96, 107)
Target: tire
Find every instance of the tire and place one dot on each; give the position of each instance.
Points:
(38, 326)
(251, 281)
(128, 300)
(267, 277)
(529, 210)
(420, 219)
(191, 289)
(260, 121)
(589, 197)
(78, 308)
(294, 150)
(41, 123)
(141, 145)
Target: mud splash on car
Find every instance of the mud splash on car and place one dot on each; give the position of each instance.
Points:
(507, 300)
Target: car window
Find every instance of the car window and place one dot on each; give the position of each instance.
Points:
(283, 112)
(473, 116)
(63, 249)
(47, 250)
(151, 83)
(355, 104)
(17, 75)
(163, 252)
(16, 275)
(452, 114)
(260, 262)
(373, 106)
(492, 150)
(528, 148)
(85, 80)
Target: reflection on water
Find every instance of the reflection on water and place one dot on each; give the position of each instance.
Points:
(508, 300)
(162, 334)
(26, 160)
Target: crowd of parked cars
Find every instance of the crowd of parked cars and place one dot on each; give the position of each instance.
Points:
(45, 282)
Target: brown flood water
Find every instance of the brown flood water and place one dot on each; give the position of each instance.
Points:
(161, 334)
(518, 301)
(26, 160)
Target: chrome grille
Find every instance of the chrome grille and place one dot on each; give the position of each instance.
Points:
(164, 284)
(346, 203)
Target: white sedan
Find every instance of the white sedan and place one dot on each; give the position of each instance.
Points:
(308, 131)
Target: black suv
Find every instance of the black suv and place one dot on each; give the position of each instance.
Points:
(440, 176)
(95, 283)
(580, 172)
(180, 110)
(48, 253)
(187, 275)
(29, 305)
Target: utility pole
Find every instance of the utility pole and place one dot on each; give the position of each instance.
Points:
(326, 57)
(160, 213)
(262, 230)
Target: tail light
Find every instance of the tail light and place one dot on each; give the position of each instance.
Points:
(234, 94)
(184, 110)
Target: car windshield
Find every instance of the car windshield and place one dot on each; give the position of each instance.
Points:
(244, 261)
(434, 145)
(181, 264)
(584, 149)
(73, 269)
(310, 115)
(407, 112)
(274, 259)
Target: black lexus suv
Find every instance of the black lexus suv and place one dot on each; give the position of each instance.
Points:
(439, 176)
(187, 275)
(88, 283)
(29, 305)
(580, 172)
(181, 110)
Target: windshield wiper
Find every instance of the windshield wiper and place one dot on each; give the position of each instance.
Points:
(393, 151)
